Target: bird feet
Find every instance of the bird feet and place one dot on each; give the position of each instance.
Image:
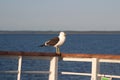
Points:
(58, 51)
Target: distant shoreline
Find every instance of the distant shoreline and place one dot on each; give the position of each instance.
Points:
(54, 32)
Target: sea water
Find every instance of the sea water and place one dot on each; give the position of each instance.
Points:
(75, 43)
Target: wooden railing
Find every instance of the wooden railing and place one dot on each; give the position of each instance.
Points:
(94, 59)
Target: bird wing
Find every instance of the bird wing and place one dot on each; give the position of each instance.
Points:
(52, 42)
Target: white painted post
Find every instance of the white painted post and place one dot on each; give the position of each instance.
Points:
(19, 67)
(95, 69)
(53, 68)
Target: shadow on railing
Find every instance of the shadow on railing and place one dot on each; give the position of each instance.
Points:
(94, 59)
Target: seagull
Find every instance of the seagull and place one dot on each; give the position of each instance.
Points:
(56, 42)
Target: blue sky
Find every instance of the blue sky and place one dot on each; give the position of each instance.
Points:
(80, 15)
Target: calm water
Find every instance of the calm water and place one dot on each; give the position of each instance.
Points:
(75, 43)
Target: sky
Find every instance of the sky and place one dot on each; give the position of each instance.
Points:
(59, 15)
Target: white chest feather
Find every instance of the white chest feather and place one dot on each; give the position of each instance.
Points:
(61, 41)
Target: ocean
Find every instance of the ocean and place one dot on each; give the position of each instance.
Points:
(75, 43)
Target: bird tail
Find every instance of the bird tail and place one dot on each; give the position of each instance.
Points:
(42, 45)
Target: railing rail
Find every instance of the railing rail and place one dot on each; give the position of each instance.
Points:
(95, 59)
(95, 67)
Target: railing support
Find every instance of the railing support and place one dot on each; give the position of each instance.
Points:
(53, 68)
(19, 67)
(96, 59)
(95, 69)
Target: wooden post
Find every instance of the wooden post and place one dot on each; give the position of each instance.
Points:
(95, 69)
(53, 68)
(19, 67)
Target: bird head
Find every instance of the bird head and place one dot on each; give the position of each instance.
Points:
(62, 34)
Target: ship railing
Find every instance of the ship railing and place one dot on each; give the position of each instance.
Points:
(94, 59)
